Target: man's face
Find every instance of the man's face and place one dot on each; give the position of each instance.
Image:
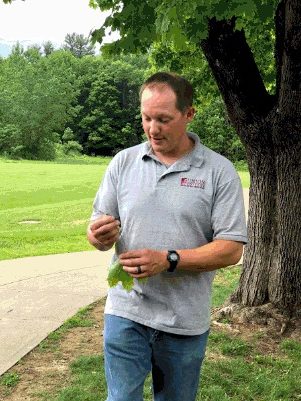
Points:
(164, 125)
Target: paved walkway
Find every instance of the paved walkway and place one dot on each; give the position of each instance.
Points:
(38, 294)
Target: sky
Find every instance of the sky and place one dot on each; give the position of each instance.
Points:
(36, 21)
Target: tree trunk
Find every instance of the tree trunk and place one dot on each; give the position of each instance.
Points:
(285, 280)
(269, 127)
(260, 251)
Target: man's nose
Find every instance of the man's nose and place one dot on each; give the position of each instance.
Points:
(153, 127)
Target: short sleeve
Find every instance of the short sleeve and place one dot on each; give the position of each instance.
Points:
(228, 213)
(105, 201)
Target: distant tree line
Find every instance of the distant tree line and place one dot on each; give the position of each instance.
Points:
(68, 101)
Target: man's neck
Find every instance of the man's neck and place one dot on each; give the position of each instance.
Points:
(169, 159)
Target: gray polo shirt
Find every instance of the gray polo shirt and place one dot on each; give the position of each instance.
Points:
(192, 202)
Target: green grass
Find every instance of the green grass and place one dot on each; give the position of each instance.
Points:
(9, 380)
(225, 282)
(59, 195)
(245, 178)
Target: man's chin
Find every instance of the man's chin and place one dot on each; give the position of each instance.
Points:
(159, 145)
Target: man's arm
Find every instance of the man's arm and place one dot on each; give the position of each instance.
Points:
(212, 256)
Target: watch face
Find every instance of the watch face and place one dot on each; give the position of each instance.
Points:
(173, 257)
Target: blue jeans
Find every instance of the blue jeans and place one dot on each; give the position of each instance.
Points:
(132, 350)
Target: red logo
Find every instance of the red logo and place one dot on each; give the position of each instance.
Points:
(193, 183)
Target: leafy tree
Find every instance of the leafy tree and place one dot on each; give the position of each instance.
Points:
(70, 145)
(10, 141)
(215, 131)
(106, 112)
(78, 45)
(48, 48)
(267, 117)
(17, 49)
(33, 53)
(36, 94)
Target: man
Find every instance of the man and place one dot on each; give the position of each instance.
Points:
(174, 210)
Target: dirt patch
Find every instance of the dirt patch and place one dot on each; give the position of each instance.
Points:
(46, 370)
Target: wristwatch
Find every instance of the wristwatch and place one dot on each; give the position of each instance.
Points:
(173, 257)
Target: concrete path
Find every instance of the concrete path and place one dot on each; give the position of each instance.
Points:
(38, 294)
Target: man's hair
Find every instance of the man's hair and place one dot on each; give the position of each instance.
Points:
(180, 86)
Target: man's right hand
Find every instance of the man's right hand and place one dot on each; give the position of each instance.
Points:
(103, 232)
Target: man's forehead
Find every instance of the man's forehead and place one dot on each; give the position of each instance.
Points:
(158, 91)
(160, 99)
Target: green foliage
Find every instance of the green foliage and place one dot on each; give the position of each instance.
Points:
(68, 135)
(10, 379)
(108, 116)
(48, 48)
(215, 131)
(179, 22)
(118, 275)
(36, 94)
(78, 45)
(96, 98)
(10, 139)
(72, 148)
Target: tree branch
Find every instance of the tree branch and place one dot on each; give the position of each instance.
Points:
(236, 73)
(290, 87)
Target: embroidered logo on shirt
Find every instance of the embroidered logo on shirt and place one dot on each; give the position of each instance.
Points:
(192, 183)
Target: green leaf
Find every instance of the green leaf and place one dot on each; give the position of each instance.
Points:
(93, 4)
(117, 275)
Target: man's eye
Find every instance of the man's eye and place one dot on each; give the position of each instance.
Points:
(163, 121)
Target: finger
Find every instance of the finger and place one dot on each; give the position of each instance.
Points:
(132, 271)
(106, 229)
(137, 253)
(133, 262)
(109, 238)
(102, 221)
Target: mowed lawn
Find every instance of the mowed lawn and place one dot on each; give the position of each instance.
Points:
(45, 206)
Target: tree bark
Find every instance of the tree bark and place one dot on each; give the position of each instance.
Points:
(285, 287)
(259, 252)
(269, 127)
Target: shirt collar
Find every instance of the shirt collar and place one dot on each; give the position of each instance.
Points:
(193, 158)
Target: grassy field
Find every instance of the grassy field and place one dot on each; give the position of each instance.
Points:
(45, 206)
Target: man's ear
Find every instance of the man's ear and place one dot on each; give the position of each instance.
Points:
(190, 112)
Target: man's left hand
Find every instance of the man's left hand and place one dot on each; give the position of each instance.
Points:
(151, 262)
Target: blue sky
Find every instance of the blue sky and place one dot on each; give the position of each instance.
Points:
(36, 21)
